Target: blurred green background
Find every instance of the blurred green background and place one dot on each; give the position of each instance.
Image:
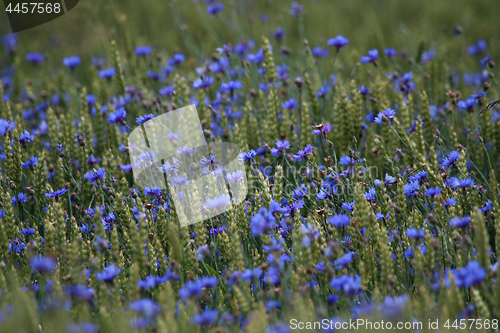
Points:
(183, 24)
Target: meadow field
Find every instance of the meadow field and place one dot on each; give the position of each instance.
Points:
(370, 144)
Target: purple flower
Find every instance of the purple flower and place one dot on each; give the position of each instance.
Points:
(477, 48)
(43, 264)
(411, 189)
(109, 273)
(370, 195)
(303, 153)
(390, 52)
(289, 104)
(322, 129)
(96, 175)
(346, 160)
(72, 62)
(214, 9)
(230, 86)
(107, 73)
(450, 202)
(147, 283)
(427, 56)
(205, 318)
(281, 145)
(386, 114)
(470, 275)
(142, 119)
(343, 261)
(35, 58)
(26, 137)
(339, 220)
(389, 180)
(31, 162)
(21, 198)
(279, 33)
(296, 9)
(143, 51)
(319, 52)
(146, 307)
(415, 234)
(432, 192)
(451, 159)
(485, 61)
(460, 222)
(117, 116)
(262, 222)
(6, 126)
(338, 41)
(177, 59)
(371, 57)
(349, 284)
(204, 83)
(57, 193)
(80, 292)
(166, 91)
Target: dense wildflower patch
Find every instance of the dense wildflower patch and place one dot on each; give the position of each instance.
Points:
(372, 193)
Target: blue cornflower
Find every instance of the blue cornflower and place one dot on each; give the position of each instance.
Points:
(349, 284)
(390, 52)
(310, 232)
(289, 104)
(142, 119)
(17, 246)
(143, 51)
(411, 189)
(26, 137)
(450, 202)
(319, 52)
(166, 91)
(204, 83)
(296, 9)
(43, 264)
(96, 175)
(343, 261)
(21, 198)
(485, 61)
(31, 162)
(279, 33)
(303, 153)
(371, 57)
(262, 222)
(177, 59)
(147, 283)
(460, 222)
(470, 275)
(80, 292)
(107, 73)
(107, 222)
(57, 193)
(386, 114)
(487, 207)
(215, 8)
(477, 48)
(117, 116)
(27, 231)
(146, 307)
(364, 90)
(393, 307)
(432, 192)
(418, 177)
(93, 160)
(370, 195)
(346, 160)
(389, 180)
(348, 206)
(468, 104)
(338, 41)
(339, 220)
(281, 145)
(415, 234)
(230, 86)
(72, 62)
(109, 273)
(451, 159)
(427, 56)
(205, 318)
(35, 58)
(462, 183)
(322, 129)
